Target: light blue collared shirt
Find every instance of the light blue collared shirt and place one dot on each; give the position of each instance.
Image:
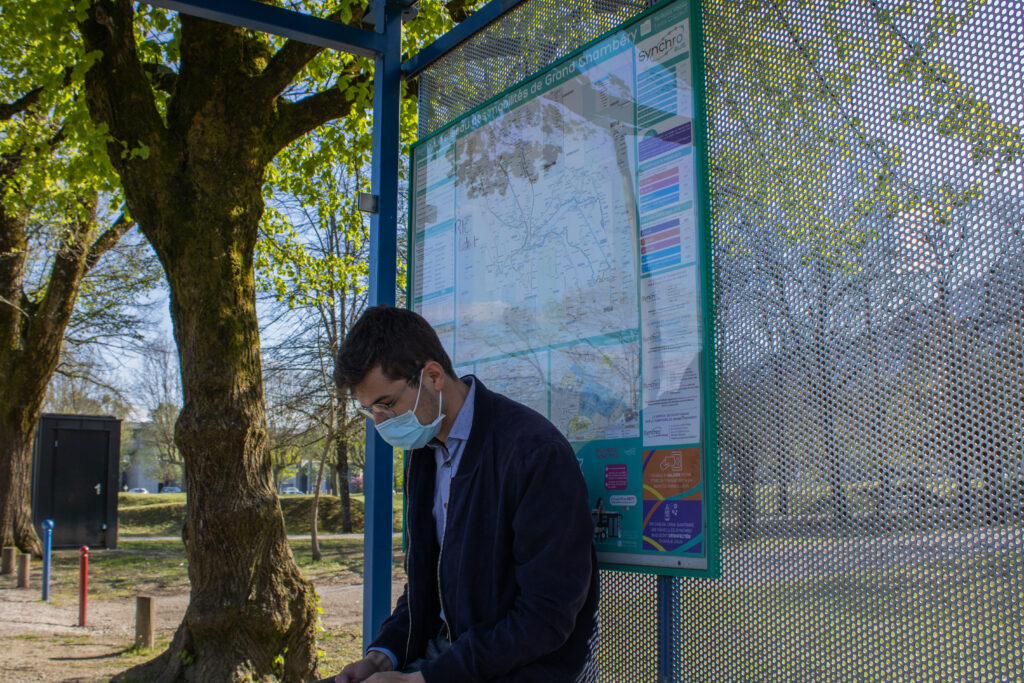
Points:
(447, 457)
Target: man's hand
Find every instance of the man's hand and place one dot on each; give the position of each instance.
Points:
(395, 677)
(357, 672)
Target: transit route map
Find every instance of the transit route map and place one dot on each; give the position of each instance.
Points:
(555, 249)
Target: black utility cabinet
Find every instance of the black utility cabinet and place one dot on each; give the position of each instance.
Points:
(74, 479)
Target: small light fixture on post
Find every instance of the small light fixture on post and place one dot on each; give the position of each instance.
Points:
(366, 202)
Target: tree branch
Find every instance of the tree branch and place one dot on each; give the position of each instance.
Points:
(292, 58)
(9, 165)
(8, 110)
(283, 67)
(67, 370)
(118, 90)
(295, 119)
(107, 240)
(12, 109)
(45, 330)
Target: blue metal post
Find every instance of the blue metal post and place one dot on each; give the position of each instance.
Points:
(669, 623)
(387, 83)
(259, 16)
(47, 548)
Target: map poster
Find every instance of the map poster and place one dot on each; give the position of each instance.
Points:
(556, 246)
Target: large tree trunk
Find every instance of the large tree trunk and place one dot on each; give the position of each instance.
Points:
(16, 428)
(16, 433)
(249, 602)
(196, 193)
(24, 375)
(199, 203)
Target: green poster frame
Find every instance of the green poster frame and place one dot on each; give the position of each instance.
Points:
(709, 410)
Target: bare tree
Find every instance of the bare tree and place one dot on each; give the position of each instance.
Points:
(157, 389)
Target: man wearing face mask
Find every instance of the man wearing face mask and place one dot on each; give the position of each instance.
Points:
(502, 576)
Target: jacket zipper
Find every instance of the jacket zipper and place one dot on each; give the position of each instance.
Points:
(440, 556)
(408, 566)
(440, 593)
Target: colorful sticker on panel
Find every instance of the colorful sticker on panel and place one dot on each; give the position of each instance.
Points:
(672, 500)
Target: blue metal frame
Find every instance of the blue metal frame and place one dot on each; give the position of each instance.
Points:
(282, 22)
(668, 629)
(387, 93)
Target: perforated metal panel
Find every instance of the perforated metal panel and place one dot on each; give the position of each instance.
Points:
(868, 208)
(525, 40)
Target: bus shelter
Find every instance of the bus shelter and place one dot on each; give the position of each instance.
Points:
(860, 310)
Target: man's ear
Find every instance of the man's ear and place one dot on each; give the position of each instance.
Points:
(434, 375)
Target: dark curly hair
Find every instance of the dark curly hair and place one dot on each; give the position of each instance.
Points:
(400, 341)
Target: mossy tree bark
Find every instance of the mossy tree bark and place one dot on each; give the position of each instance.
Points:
(16, 424)
(194, 185)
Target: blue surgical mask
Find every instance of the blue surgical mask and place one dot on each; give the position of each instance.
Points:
(405, 431)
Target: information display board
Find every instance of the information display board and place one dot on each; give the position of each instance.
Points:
(557, 246)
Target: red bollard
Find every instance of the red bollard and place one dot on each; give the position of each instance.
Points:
(83, 584)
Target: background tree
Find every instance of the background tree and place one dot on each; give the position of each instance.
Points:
(313, 258)
(964, 242)
(291, 433)
(157, 390)
(81, 386)
(58, 217)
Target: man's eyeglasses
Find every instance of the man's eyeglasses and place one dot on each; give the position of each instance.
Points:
(383, 410)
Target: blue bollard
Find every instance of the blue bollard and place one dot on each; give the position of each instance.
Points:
(47, 546)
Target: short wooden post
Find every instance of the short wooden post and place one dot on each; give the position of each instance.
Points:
(144, 622)
(8, 561)
(23, 569)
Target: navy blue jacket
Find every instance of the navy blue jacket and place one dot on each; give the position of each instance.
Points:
(517, 573)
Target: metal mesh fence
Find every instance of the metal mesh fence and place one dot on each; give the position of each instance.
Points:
(868, 207)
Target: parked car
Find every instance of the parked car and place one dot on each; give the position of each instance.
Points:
(287, 490)
(170, 489)
(138, 489)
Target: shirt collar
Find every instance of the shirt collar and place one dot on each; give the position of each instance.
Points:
(464, 420)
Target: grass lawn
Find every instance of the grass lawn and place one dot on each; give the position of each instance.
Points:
(147, 565)
(163, 514)
(159, 568)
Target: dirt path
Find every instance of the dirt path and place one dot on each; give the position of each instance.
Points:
(42, 642)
